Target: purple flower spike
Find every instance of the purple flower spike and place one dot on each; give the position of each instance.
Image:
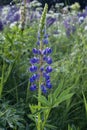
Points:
(39, 64)
(33, 68)
(49, 60)
(49, 69)
(33, 87)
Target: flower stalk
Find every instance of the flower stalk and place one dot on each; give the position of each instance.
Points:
(40, 67)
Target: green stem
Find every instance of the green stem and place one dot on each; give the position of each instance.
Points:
(45, 118)
(39, 91)
(2, 79)
(27, 95)
(39, 107)
(42, 25)
(16, 89)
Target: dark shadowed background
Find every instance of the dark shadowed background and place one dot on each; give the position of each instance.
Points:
(82, 3)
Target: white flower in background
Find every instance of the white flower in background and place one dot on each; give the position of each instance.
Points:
(85, 28)
(81, 19)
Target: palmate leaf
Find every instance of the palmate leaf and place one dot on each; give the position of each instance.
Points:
(44, 101)
(31, 117)
(51, 126)
(61, 99)
(59, 96)
(58, 90)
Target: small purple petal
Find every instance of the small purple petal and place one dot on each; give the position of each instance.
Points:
(49, 69)
(45, 41)
(45, 35)
(1, 26)
(43, 88)
(33, 68)
(33, 87)
(35, 51)
(49, 85)
(38, 43)
(44, 58)
(49, 60)
(42, 69)
(47, 51)
(34, 60)
(46, 76)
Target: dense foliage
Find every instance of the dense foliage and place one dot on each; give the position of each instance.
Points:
(4, 2)
(50, 3)
(67, 99)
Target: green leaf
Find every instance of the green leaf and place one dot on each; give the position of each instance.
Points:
(51, 126)
(58, 90)
(66, 94)
(85, 102)
(61, 99)
(44, 101)
(31, 117)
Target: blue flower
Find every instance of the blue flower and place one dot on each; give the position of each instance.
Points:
(45, 41)
(44, 58)
(50, 21)
(49, 60)
(33, 68)
(42, 69)
(34, 60)
(69, 27)
(48, 69)
(1, 26)
(46, 76)
(35, 51)
(31, 80)
(49, 85)
(45, 36)
(38, 42)
(34, 78)
(43, 88)
(39, 52)
(33, 87)
(16, 17)
(47, 51)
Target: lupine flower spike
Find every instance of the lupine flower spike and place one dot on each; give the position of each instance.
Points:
(41, 62)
